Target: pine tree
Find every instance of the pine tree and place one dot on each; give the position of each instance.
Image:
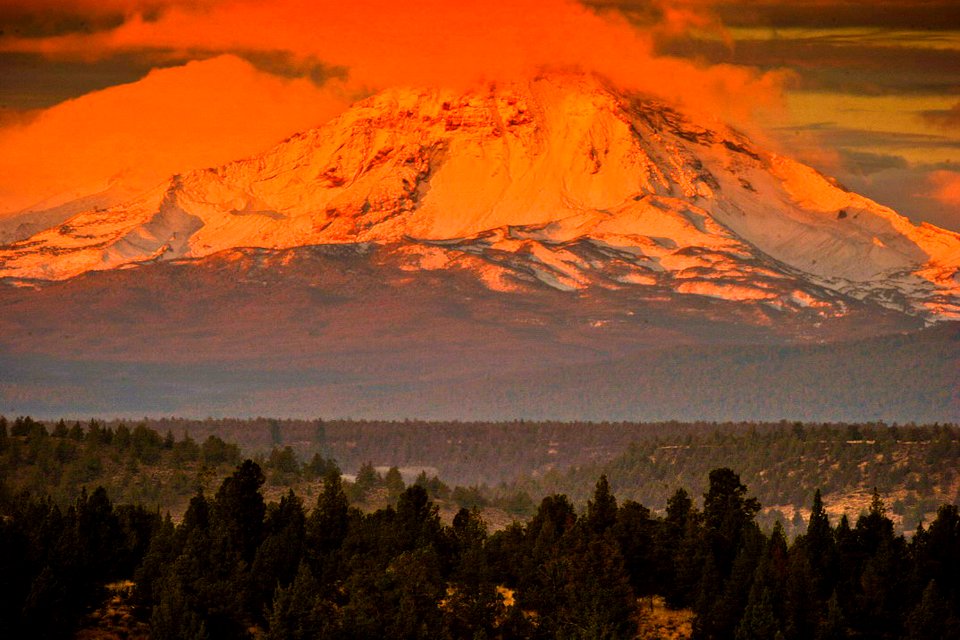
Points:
(162, 551)
(820, 549)
(758, 621)
(834, 626)
(602, 509)
(393, 482)
(418, 521)
(635, 532)
(763, 616)
(940, 559)
(278, 557)
(802, 608)
(326, 528)
(720, 608)
(882, 584)
(932, 617)
(727, 514)
(367, 480)
(299, 613)
(473, 605)
(680, 551)
(238, 510)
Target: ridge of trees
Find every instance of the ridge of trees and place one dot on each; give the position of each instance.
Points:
(506, 465)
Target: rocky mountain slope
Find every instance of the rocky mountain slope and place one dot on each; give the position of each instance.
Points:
(562, 181)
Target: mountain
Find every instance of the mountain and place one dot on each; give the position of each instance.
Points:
(20, 225)
(562, 180)
(531, 249)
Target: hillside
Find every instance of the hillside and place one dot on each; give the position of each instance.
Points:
(309, 351)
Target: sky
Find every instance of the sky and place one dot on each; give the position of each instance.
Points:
(96, 93)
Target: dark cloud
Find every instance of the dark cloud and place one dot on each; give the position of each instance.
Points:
(943, 118)
(864, 47)
(824, 64)
(908, 192)
(643, 13)
(850, 138)
(809, 14)
(816, 14)
(287, 65)
(867, 163)
(33, 81)
(40, 26)
(45, 18)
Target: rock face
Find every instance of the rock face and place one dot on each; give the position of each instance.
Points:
(561, 182)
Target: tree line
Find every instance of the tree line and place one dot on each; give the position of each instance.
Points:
(505, 464)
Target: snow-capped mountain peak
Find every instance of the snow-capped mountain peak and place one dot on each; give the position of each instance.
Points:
(561, 181)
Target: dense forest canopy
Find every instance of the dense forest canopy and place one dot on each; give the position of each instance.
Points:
(239, 566)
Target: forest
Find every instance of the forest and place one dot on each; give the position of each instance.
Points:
(504, 468)
(237, 564)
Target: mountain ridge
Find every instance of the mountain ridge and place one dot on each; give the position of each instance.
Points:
(343, 330)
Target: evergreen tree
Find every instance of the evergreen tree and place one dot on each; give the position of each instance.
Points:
(299, 613)
(764, 614)
(722, 601)
(473, 606)
(758, 621)
(393, 482)
(874, 528)
(933, 617)
(600, 601)
(173, 618)
(635, 532)
(834, 626)
(939, 559)
(278, 557)
(820, 549)
(162, 551)
(680, 551)
(849, 567)
(418, 521)
(602, 509)
(880, 592)
(367, 480)
(326, 528)
(727, 514)
(239, 509)
(802, 608)
(399, 601)
(16, 574)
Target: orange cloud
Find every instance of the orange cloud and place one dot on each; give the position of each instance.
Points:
(201, 114)
(945, 188)
(420, 42)
(948, 119)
